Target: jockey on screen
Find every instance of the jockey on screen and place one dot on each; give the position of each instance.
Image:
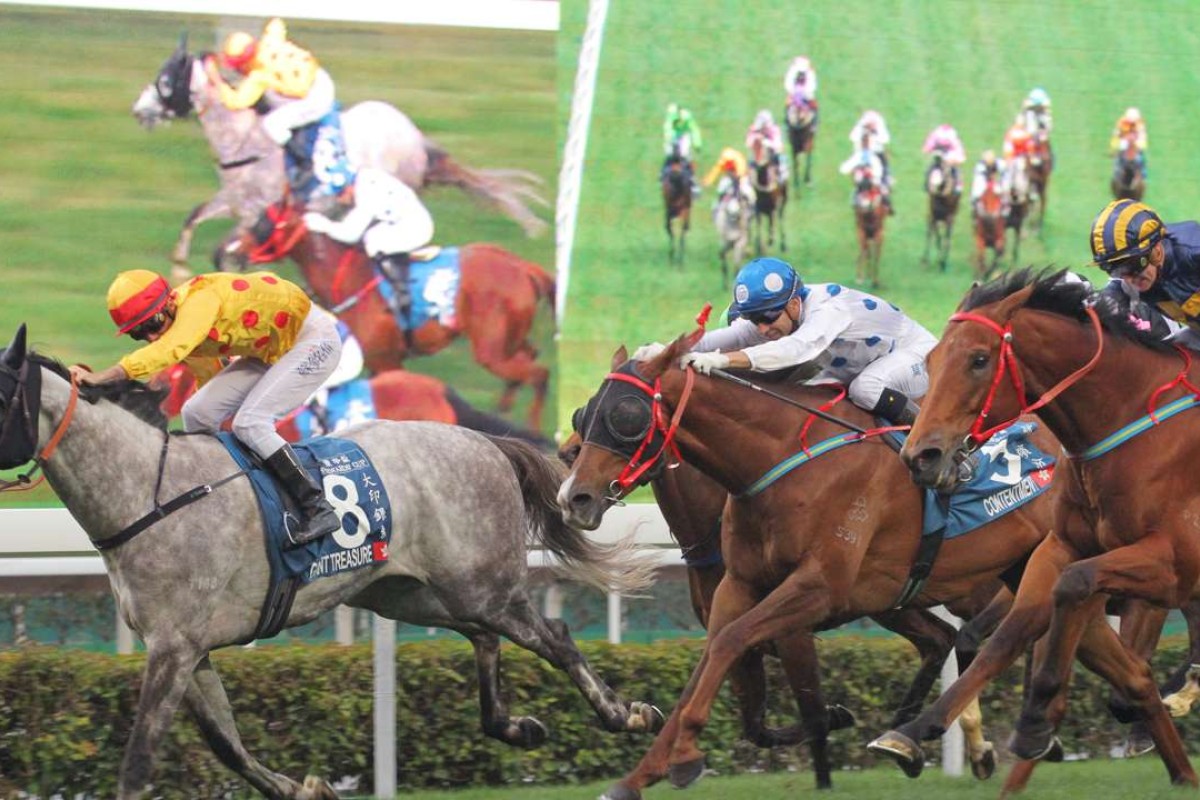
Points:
(388, 219)
(870, 133)
(284, 348)
(1035, 118)
(288, 77)
(731, 174)
(1018, 150)
(800, 85)
(764, 134)
(856, 339)
(1131, 126)
(944, 140)
(680, 132)
(989, 169)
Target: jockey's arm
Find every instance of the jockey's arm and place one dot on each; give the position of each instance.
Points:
(194, 318)
(274, 32)
(248, 92)
(348, 230)
(694, 133)
(808, 341)
(740, 333)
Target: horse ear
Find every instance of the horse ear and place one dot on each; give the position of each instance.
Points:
(689, 340)
(182, 46)
(620, 356)
(14, 354)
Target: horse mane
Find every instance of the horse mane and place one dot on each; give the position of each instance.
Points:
(133, 396)
(1054, 293)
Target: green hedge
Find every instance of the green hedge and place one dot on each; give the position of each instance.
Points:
(65, 715)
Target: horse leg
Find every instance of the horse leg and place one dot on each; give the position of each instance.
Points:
(782, 227)
(1182, 689)
(944, 244)
(808, 164)
(209, 704)
(551, 640)
(169, 670)
(490, 350)
(524, 732)
(1141, 628)
(731, 599)
(803, 599)
(215, 208)
(934, 638)
(1103, 653)
(1143, 569)
(1028, 619)
(930, 233)
(799, 656)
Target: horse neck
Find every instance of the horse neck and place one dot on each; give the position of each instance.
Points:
(1051, 347)
(231, 134)
(101, 441)
(332, 270)
(733, 434)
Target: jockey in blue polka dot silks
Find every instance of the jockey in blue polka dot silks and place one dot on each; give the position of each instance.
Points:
(847, 336)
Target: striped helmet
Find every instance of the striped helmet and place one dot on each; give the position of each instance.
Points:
(1124, 229)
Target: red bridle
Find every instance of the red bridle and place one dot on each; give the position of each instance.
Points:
(282, 239)
(636, 468)
(1008, 363)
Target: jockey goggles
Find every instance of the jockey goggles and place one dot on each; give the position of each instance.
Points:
(150, 326)
(765, 317)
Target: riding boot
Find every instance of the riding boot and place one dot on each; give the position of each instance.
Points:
(297, 157)
(319, 517)
(394, 266)
(896, 407)
(887, 203)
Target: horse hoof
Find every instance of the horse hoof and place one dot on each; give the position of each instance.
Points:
(1137, 745)
(531, 733)
(646, 718)
(901, 749)
(317, 789)
(619, 791)
(685, 774)
(840, 717)
(1034, 742)
(985, 766)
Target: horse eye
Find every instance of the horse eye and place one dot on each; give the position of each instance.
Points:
(577, 420)
(979, 360)
(164, 86)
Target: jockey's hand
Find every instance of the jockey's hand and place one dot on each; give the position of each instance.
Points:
(317, 223)
(704, 363)
(211, 70)
(80, 374)
(648, 351)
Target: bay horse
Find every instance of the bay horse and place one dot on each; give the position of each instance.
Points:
(1029, 343)
(944, 196)
(494, 308)
(800, 555)
(195, 580)
(989, 218)
(250, 165)
(397, 394)
(770, 197)
(869, 216)
(1041, 164)
(1128, 178)
(1018, 201)
(801, 116)
(691, 504)
(732, 220)
(677, 205)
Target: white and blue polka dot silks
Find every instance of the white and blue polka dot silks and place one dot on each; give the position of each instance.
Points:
(856, 339)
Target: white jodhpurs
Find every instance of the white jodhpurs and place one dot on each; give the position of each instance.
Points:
(256, 394)
(289, 113)
(902, 370)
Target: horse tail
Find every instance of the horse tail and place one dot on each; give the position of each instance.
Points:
(470, 417)
(508, 190)
(608, 567)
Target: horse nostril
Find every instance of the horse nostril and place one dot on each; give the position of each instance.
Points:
(925, 459)
(581, 499)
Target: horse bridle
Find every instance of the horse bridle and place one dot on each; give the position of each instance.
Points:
(657, 433)
(20, 400)
(1008, 364)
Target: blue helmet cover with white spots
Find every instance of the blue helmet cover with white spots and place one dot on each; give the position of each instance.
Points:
(764, 284)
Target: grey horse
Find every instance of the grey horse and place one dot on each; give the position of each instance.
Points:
(463, 507)
(250, 164)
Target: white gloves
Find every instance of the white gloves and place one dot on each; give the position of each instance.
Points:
(648, 351)
(317, 223)
(705, 363)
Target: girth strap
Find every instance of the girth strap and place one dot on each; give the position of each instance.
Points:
(927, 552)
